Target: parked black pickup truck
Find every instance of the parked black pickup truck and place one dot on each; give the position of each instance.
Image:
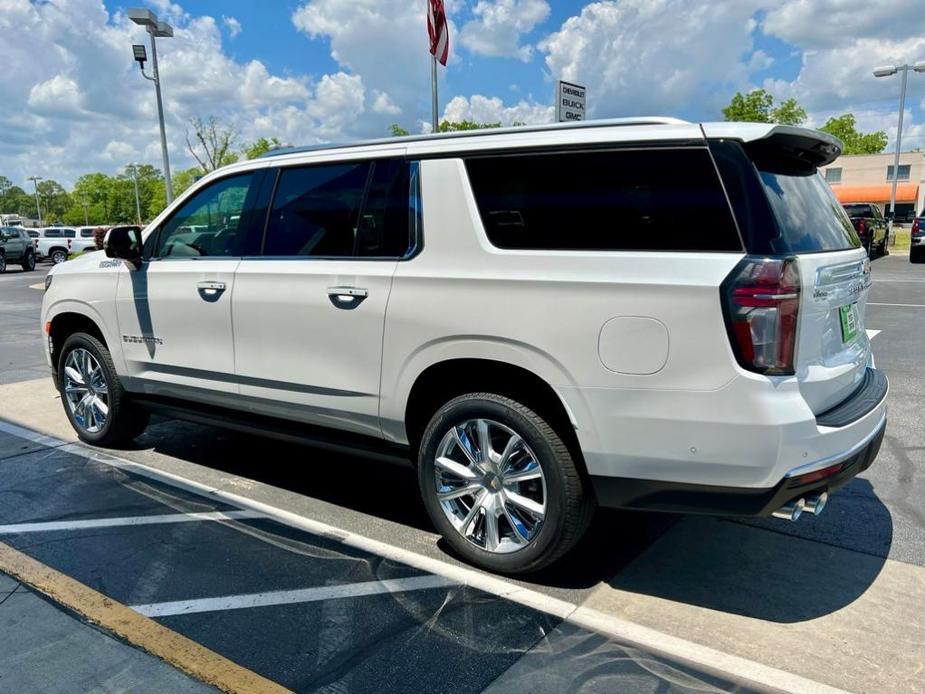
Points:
(871, 226)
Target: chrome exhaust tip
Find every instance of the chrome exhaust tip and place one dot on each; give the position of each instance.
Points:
(816, 502)
(791, 511)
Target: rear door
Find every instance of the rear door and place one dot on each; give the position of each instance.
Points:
(832, 350)
(309, 312)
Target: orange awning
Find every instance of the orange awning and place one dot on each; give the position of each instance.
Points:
(905, 192)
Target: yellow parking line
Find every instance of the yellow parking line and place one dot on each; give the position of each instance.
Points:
(181, 652)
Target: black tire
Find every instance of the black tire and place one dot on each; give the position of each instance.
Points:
(916, 255)
(883, 246)
(124, 421)
(58, 255)
(28, 261)
(569, 504)
(2, 262)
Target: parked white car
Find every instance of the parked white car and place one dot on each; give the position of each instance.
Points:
(54, 243)
(640, 313)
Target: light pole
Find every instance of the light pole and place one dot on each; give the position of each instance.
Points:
(156, 29)
(888, 71)
(134, 168)
(86, 206)
(38, 208)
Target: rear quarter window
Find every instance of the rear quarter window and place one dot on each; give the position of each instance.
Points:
(641, 199)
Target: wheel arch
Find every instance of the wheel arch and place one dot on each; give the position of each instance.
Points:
(72, 318)
(443, 380)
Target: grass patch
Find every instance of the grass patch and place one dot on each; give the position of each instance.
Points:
(902, 239)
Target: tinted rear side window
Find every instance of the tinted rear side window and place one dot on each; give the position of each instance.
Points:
(655, 199)
(859, 211)
(809, 217)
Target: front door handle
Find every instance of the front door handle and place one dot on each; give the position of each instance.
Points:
(347, 298)
(210, 291)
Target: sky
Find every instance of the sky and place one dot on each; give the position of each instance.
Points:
(309, 71)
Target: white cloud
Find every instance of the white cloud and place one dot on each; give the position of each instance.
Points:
(653, 56)
(832, 23)
(499, 26)
(759, 61)
(382, 103)
(232, 25)
(483, 109)
(58, 97)
(338, 103)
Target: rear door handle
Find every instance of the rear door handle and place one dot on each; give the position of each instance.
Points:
(347, 298)
(210, 291)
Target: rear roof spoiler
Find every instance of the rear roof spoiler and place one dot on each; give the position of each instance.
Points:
(781, 148)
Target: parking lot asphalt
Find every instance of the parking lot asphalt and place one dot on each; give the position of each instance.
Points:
(836, 599)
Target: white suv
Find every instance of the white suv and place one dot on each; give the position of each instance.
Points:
(639, 313)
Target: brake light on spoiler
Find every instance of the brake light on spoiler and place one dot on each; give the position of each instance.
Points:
(761, 304)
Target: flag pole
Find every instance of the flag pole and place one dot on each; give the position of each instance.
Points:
(433, 91)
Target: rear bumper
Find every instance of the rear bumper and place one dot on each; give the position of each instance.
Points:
(679, 497)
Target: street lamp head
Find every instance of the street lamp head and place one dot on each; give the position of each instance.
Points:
(141, 55)
(885, 71)
(163, 30)
(142, 17)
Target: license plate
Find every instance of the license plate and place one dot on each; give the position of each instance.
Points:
(849, 322)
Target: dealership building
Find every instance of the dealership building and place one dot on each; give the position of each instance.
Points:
(869, 178)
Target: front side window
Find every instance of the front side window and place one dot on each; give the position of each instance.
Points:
(647, 199)
(342, 210)
(212, 223)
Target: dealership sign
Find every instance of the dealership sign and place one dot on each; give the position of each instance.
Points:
(570, 102)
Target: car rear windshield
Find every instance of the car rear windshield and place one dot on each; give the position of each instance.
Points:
(809, 217)
(859, 211)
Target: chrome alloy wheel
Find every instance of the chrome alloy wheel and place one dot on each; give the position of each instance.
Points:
(490, 485)
(86, 390)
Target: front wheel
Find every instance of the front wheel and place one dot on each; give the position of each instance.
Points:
(28, 261)
(2, 262)
(500, 485)
(92, 395)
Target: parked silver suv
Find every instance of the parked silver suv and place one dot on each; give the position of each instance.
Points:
(16, 247)
(642, 313)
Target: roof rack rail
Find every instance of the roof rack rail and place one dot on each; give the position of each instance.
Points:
(607, 123)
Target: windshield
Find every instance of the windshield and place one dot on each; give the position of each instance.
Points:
(809, 217)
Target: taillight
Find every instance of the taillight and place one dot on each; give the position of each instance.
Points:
(862, 228)
(916, 229)
(761, 302)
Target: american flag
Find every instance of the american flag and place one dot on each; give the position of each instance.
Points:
(438, 31)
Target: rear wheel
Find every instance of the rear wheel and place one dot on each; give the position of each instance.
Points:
(500, 485)
(2, 262)
(28, 261)
(917, 255)
(92, 395)
(58, 256)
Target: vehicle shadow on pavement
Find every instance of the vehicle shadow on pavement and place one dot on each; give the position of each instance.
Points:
(770, 570)
(390, 492)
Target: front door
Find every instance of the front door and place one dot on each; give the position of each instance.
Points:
(175, 311)
(309, 313)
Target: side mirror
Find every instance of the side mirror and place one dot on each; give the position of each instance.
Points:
(124, 243)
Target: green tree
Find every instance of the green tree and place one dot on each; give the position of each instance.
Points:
(260, 146)
(211, 143)
(855, 142)
(14, 200)
(398, 131)
(447, 126)
(54, 198)
(184, 179)
(757, 106)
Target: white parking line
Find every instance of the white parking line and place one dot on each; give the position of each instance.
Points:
(289, 597)
(873, 303)
(871, 334)
(50, 526)
(659, 643)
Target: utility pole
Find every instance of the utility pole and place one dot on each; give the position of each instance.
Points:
(38, 208)
(134, 168)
